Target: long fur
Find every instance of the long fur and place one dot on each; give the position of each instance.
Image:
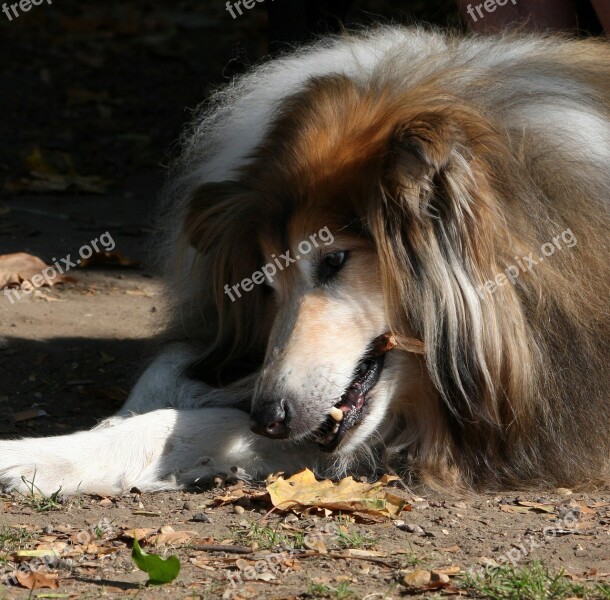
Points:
(437, 162)
(458, 155)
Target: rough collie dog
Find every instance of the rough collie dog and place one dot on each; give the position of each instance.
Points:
(451, 194)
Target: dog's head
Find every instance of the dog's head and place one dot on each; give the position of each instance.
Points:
(363, 212)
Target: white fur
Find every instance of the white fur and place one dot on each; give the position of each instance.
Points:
(159, 450)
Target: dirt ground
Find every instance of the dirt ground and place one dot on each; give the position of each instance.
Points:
(95, 95)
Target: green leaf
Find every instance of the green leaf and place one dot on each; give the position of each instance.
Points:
(160, 570)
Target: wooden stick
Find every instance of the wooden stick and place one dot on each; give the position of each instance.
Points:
(388, 341)
(219, 548)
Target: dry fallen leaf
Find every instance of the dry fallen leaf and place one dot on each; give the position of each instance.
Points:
(451, 571)
(303, 491)
(421, 580)
(140, 533)
(20, 267)
(417, 579)
(365, 553)
(524, 507)
(36, 581)
(538, 506)
(171, 538)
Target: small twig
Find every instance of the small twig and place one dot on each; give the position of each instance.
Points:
(388, 341)
(410, 344)
(219, 548)
(345, 556)
(378, 561)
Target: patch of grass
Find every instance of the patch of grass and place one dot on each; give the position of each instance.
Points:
(602, 590)
(268, 538)
(341, 592)
(13, 538)
(36, 500)
(530, 582)
(354, 539)
(410, 557)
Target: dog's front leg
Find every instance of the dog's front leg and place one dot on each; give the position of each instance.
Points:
(163, 449)
(166, 384)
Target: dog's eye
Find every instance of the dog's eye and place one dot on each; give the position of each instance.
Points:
(331, 264)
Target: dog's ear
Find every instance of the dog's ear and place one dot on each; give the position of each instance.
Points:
(441, 225)
(220, 221)
(212, 207)
(419, 151)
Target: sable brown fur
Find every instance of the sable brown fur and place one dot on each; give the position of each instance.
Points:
(447, 191)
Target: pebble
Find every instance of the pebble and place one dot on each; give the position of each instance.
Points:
(460, 504)
(201, 518)
(579, 551)
(189, 505)
(564, 491)
(410, 527)
(239, 510)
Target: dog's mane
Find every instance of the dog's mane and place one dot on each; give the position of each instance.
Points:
(460, 159)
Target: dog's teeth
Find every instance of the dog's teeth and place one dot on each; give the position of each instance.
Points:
(336, 414)
(336, 428)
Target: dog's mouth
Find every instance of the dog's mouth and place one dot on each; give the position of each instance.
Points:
(349, 411)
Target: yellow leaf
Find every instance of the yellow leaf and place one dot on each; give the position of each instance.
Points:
(303, 490)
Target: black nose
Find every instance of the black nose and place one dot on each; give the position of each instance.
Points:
(270, 419)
